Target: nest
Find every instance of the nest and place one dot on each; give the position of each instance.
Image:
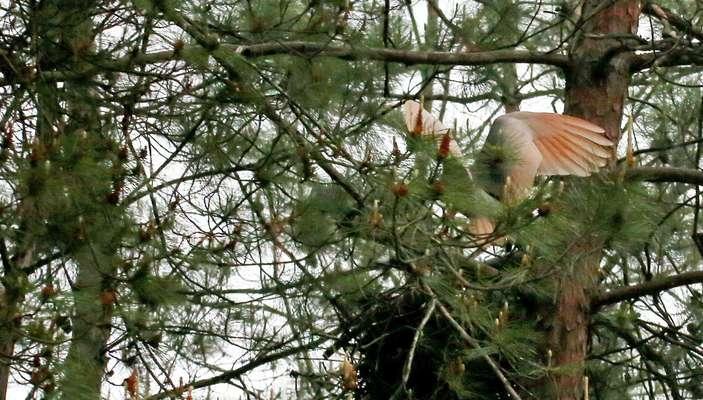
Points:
(440, 368)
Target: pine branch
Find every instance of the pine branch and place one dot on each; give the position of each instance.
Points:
(665, 174)
(211, 44)
(407, 367)
(652, 287)
(482, 96)
(313, 49)
(662, 149)
(407, 57)
(688, 55)
(475, 344)
(667, 17)
(652, 359)
(237, 372)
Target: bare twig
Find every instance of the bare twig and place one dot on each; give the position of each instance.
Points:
(407, 367)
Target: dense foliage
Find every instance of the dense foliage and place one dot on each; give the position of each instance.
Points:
(220, 199)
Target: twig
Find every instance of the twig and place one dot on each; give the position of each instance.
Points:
(474, 343)
(418, 332)
(695, 235)
(666, 17)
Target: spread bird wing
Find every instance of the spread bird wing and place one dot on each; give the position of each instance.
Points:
(568, 145)
(421, 122)
(549, 144)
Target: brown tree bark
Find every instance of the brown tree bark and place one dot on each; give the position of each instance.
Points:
(597, 81)
(10, 323)
(596, 88)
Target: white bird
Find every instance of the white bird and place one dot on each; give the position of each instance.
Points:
(520, 146)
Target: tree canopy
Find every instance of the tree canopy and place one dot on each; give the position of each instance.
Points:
(221, 199)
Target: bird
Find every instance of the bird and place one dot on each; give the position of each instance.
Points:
(519, 147)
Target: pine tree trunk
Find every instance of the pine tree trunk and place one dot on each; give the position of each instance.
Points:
(9, 324)
(86, 361)
(596, 88)
(596, 84)
(93, 250)
(11, 300)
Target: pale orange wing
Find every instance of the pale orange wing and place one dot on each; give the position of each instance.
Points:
(517, 159)
(568, 145)
(420, 122)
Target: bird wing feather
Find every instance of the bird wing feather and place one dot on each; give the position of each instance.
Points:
(421, 122)
(424, 122)
(568, 145)
(551, 165)
(574, 153)
(565, 156)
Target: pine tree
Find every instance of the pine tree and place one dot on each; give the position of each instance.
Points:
(222, 198)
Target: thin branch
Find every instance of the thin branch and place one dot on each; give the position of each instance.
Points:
(666, 16)
(235, 373)
(474, 343)
(651, 358)
(695, 234)
(662, 149)
(407, 367)
(454, 28)
(335, 175)
(480, 97)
